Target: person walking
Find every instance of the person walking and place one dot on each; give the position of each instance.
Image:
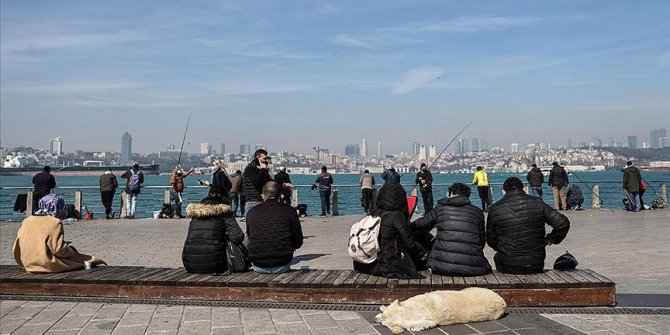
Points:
(481, 179)
(558, 181)
(108, 185)
(324, 182)
(284, 181)
(535, 179)
(236, 186)
(367, 191)
(135, 179)
(44, 182)
(177, 181)
(631, 184)
(425, 180)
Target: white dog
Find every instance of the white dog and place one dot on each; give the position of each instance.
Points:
(441, 308)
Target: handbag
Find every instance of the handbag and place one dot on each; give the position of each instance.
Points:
(566, 262)
(236, 257)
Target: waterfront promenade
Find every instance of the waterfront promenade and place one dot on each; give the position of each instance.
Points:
(632, 249)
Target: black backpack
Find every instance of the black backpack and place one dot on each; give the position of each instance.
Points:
(565, 262)
(166, 212)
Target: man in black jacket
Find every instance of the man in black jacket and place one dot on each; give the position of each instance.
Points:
(515, 230)
(535, 179)
(558, 181)
(274, 232)
(44, 182)
(284, 181)
(425, 180)
(255, 175)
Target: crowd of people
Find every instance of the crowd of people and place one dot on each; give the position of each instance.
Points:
(514, 226)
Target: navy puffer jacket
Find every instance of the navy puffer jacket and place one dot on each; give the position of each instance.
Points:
(459, 244)
(515, 229)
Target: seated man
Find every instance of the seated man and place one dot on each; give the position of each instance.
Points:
(274, 232)
(575, 197)
(40, 243)
(515, 230)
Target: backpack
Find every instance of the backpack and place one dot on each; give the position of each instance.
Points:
(363, 244)
(566, 262)
(628, 205)
(134, 181)
(658, 203)
(167, 211)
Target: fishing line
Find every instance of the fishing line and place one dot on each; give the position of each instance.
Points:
(183, 140)
(590, 189)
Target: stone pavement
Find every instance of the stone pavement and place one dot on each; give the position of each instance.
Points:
(629, 248)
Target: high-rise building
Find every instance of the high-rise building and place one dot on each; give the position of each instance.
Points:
(514, 147)
(364, 148)
(482, 144)
(422, 153)
(658, 137)
(126, 148)
(598, 142)
(415, 148)
(245, 149)
(56, 146)
(352, 150)
(205, 149)
(223, 149)
(432, 151)
(379, 148)
(632, 142)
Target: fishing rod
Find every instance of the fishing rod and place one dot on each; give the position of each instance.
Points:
(183, 140)
(590, 189)
(443, 150)
(649, 185)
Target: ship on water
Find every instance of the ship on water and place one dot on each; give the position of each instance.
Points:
(13, 166)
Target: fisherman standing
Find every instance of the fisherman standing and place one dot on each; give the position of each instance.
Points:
(44, 182)
(108, 185)
(177, 181)
(425, 180)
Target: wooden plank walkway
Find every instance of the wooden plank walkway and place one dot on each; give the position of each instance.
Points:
(551, 288)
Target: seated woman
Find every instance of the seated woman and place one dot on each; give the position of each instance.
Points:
(40, 242)
(458, 249)
(212, 224)
(397, 246)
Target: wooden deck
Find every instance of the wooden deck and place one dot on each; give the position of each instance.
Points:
(551, 288)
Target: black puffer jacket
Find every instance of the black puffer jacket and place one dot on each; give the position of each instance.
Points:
(460, 240)
(535, 177)
(253, 180)
(274, 234)
(515, 229)
(205, 247)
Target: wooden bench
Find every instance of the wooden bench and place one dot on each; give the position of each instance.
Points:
(551, 288)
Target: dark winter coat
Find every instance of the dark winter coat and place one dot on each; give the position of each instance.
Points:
(220, 179)
(515, 229)
(44, 182)
(428, 177)
(535, 177)
(459, 244)
(558, 177)
(391, 177)
(211, 225)
(632, 179)
(108, 182)
(282, 178)
(574, 195)
(274, 233)
(127, 175)
(325, 181)
(236, 182)
(396, 243)
(253, 179)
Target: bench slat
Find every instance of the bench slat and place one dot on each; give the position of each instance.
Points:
(569, 279)
(341, 277)
(351, 279)
(491, 280)
(283, 279)
(558, 281)
(602, 278)
(435, 281)
(459, 283)
(360, 281)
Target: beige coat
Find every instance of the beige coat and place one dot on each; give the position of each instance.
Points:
(40, 247)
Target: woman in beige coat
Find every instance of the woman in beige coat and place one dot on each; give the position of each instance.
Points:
(40, 243)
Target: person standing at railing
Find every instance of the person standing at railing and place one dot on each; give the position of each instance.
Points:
(108, 185)
(631, 183)
(558, 181)
(535, 179)
(135, 179)
(44, 182)
(324, 181)
(367, 191)
(425, 180)
(284, 180)
(235, 189)
(481, 179)
(177, 181)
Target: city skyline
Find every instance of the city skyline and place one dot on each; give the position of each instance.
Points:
(330, 73)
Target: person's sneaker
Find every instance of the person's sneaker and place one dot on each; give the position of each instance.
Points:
(181, 217)
(243, 219)
(323, 215)
(112, 214)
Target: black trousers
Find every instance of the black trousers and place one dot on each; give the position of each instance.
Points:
(427, 197)
(367, 197)
(483, 195)
(107, 199)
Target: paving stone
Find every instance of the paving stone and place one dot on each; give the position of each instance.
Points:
(72, 322)
(24, 312)
(487, 326)
(576, 322)
(195, 327)
(85, 308)
(344, 315)
(228, 331)
(225, 320)
(129, 330)
(319, 321)
(7, 306)
(280, 316)
(141, 308)
(110, 312)
(63, 332)
(257, 321)
(459, 329)
(99, 327)
(296, 328)
(310, 312)
(622, 327)
(355, 326)
(32, 329)
(62, 305)
(197, 313)
(47, 316)
(136, 319)
(164, 323)
(163, 310)
(9, 325)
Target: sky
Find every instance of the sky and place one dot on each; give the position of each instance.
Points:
(293, 75)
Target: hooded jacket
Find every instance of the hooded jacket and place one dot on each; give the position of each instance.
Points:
(558, 177)
(212, 224)
(459, 244)
(632, 179)
(535, 177)
(515, 229)
(108, 182)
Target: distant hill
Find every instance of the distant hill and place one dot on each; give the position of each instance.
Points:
(661, 154)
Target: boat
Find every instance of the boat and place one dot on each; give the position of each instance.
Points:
(77, 170)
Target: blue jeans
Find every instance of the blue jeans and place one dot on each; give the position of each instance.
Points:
(276, 269)
(131, 201)
(235, 201)
(325, 202)
(536, 191)
(635, 199)
(176, 199)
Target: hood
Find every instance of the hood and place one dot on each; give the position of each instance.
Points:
(632, 168)
(203, 210)
(392, 197)
(457, 201)
(536, 169)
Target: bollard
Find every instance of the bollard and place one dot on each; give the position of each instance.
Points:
(336, 207)
(167, 199)
(29, 204)
(294, 197)
(124, 198)
(663, 193)
(595, 203)
(77, 201)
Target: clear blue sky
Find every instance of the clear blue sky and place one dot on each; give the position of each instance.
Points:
(297, 74)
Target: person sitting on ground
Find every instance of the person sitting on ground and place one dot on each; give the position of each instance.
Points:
(274, 232)
(515, 230)
(575, 198)
(40, 245)
(458, 249)
(397, 247)
(212, 225)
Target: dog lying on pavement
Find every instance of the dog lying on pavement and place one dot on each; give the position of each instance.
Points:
(441, 308)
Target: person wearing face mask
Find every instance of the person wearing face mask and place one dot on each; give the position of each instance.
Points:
(425, 180)
(255, 175)
(177, 181)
